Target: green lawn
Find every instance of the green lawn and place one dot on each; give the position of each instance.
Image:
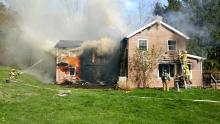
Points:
(28, 101)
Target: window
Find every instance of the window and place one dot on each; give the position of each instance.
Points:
(72, 71)
(168, 67)
(171, 45)
(142, 44)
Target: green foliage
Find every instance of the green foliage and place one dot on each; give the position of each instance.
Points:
(212, 17)
(7, 24)
(212, 64)
(205, 13)
(29, 101)
(208, 13)
(4, 14)
(174, 5)
(194, 47)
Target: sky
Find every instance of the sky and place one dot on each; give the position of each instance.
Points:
(129, 4)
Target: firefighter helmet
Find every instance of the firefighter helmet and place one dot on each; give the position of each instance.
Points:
(185, 52)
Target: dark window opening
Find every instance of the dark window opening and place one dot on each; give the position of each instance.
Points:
(72, 71)
(171, 45)
(168, 67)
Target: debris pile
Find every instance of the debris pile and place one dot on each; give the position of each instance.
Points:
(63, 93)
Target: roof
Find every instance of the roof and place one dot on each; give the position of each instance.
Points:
(158, 21)
(68, 44)
(195, 57)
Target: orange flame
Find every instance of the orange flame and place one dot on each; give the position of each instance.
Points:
(75, 61)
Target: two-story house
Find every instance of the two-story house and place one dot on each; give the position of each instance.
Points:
(75, 64)
(163, 36)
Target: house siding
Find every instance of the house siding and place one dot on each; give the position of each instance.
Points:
(158, 36)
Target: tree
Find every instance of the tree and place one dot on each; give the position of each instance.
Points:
(5, 18)
(174, 5)
(141, 65)
(207, 13)
(159, 9)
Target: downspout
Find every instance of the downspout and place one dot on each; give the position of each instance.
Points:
(201, 66)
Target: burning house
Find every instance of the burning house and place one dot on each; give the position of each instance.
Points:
(97, 63)
(86, 62)
(68, 61)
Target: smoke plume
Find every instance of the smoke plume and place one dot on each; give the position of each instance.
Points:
(182, 20)
(103, 46)
(42, 23)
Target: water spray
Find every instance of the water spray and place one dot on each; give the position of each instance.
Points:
(35, 64)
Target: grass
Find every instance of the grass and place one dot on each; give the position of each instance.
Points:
(28, 101)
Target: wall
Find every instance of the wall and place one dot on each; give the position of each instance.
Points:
(158, 35)
(72, 60)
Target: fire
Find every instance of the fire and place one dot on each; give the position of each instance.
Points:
(75, 61)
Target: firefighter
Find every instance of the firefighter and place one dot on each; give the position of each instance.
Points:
(185, 68)
(187, 75)
(165, 80)
(183, 58)
(13, 74)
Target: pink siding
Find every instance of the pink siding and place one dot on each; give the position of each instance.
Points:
(158, 36)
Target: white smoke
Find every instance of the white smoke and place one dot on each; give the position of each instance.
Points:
(52, 20)
(182, 20)
(42, 23)
(103, 46)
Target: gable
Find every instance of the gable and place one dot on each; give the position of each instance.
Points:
(168, 27)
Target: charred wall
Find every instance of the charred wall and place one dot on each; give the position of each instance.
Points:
(123, 58)
(96, 68)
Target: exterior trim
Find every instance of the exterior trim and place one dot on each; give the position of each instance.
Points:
(195, 57)
(168, 45)
(159, 22)
(201, 69)
(142, 39)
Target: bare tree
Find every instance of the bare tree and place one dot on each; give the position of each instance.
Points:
(145, 11)
(142, 64)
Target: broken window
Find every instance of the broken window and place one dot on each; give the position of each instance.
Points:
(72, 71)
(169, 69)
(142, 44)
(171, 45)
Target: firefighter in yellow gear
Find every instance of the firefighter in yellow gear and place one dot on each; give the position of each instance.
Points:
(183, 58)
(185, 67)
(13, 74)
(187, 75)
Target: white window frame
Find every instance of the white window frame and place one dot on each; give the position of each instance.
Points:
(168, 44)
(146, 43)
(158, 73)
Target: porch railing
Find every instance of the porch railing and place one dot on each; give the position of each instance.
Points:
(210, 79)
